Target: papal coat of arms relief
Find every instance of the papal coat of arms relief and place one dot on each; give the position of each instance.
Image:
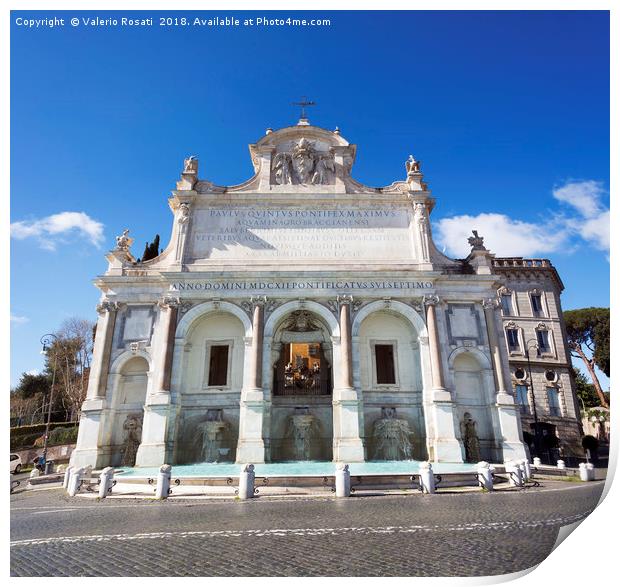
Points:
(303, 164)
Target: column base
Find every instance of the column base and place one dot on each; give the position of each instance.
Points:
(151, 455)
(447, 450)
(348, 450)
(250, 451)
(90, 457)
(514, 451)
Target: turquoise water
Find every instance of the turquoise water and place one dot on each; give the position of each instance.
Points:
(298, 469)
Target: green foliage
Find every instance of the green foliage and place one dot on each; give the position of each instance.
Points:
(151, 250)
(62, 435)
(27, 436)
(589, 327)
(29, 385)
(589, 443)
(585, 390)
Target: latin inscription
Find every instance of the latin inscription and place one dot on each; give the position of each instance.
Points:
(348, 233)
(340, 285)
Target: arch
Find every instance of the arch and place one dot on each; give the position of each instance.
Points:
(319, 309)
(484, 362)
(201, 310)
(119, 363)
(394, 307)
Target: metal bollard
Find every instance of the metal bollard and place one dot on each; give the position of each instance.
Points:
(586, 471)
(65, 480)
(561, 465)
(74, 481)
(514, 474)
(485, 476)
(427, 477)
(105, 482)
(246, 482)
(163, 482)
(537, 462)
(343, 480)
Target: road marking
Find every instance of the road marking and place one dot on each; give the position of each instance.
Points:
(563, 521)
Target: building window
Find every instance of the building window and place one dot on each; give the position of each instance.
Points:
(506, 300)
(522, 400)
(384, 362)
(218, 365)
(551, 376)
(519, 374)
(537, 308)
(554, 401)
(512, 335)
(542, 337)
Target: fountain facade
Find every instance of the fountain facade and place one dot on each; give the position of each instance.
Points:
(214, 438)
(303, 432)
(391, 437)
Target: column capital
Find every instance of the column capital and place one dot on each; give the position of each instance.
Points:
(490, 303)
(107, 306)
(168, 301)
(431, 300)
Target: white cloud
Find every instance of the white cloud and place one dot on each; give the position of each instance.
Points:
(54, 229)
(584, 216)
(584, 196)
(18, 319)
(505, 236)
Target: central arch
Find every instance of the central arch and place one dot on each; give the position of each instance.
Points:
(298, 379)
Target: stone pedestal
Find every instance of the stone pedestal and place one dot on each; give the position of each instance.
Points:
(251, 446)
(347, 444)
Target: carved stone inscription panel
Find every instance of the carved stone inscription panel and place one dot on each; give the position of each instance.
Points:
(370, 233)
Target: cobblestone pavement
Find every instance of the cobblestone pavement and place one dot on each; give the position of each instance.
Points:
(396, 535)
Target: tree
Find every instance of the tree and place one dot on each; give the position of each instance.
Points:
(587, 330)
(586, 391)
(29, 398)
(151, 250)
(71, 355)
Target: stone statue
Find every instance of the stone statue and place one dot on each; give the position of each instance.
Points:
(184, 213)
(283, 168)
(190, 165)
(132, 428)
(123, 242)
(324, 167)
(304, 156)
(470, 439)
(412, 166)
(476, 242)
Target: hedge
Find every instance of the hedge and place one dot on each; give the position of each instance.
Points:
(26, 436)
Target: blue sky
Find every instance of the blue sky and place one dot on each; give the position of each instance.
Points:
(508, 112)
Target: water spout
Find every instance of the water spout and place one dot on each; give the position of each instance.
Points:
(214, 438)
(303, 432)
(392, 437)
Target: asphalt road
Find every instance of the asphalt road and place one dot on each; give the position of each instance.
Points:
(453, 534)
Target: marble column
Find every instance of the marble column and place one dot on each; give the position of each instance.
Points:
(251, 446)
(153, 450)
(434, 343)
(446, 444)
(94, 413)
(490, 306)
(346, 353)
(347, 443)
(509, 434)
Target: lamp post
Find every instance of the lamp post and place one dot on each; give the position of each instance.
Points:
(47, 340)
(529, 369)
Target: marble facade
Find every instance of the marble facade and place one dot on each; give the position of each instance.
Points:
(196, 349)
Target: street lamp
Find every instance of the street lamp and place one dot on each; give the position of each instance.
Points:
(529, 369)
(47, 340)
